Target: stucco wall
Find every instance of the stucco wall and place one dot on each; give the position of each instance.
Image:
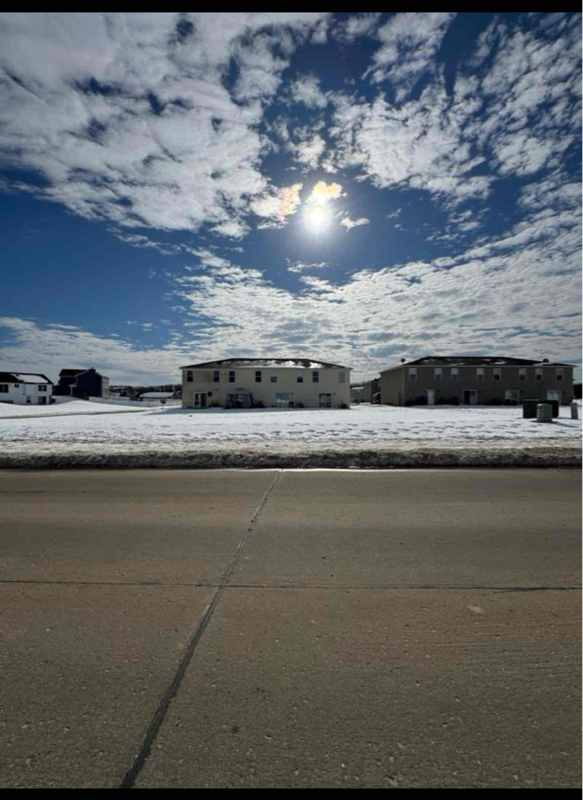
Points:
(307, 392)
(392, 388)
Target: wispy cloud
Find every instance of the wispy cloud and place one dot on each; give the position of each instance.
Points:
(353, 223)
(128, 120)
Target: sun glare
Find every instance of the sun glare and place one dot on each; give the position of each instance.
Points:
(317, 218)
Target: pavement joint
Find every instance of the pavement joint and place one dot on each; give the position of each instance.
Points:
(131, 775)
(461, 587)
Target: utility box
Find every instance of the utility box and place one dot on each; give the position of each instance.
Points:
(544, 412)
(574, 410)
(529, 408)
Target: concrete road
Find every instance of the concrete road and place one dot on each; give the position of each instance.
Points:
(290, 629)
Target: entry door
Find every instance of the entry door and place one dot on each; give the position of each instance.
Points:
(554, 394)
(200, 399)
(431, 397)
(282, 399)
(471, 397)
(325, 400)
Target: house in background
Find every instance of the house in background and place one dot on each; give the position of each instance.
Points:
(25, 388)
(476, 380)
(122, 391)
(82, 383)
(366, 392)
(161, 396)
(273, 382)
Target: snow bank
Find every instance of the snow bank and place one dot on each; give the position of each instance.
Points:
(366, 436)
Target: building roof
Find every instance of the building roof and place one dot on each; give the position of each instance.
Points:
(68, 373)
(303, 363)
(478, 361)
(24, 377)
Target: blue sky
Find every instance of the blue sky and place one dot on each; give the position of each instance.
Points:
(357, 188)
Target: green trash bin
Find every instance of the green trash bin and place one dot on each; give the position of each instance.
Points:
(529, 409)
(544, 412)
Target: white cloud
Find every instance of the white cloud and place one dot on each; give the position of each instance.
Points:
(129, 121)
(307, 90)
(277, 205)
(357, 25)
(409, 42)
(350, 223)
(299, 266)
(323, 193)
(309, 152)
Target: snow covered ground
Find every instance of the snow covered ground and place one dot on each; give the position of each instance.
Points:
(370, 428)
(66, 406)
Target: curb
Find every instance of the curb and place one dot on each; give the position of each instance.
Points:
(363, 459)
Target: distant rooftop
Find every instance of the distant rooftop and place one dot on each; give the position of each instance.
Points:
(304, 363)
(23, 377)
(479, 361)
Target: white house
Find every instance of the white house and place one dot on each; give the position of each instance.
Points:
(269, 382)
(25, 388)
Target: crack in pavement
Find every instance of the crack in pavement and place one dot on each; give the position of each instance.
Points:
(131, 775)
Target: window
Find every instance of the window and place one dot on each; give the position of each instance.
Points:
(4, 388)
(189, 376)
(480, 374)
(522, 374)
(558, 374)
(258, 376)
(16, 385)
(538, 374)
(412, 373)
(341, 377)
(300, 379)
(42, 387)
(216, 376)
(315, 376)
(497, 373)
(437, 374)
(231, 376)
(455, 374)
(273, 378)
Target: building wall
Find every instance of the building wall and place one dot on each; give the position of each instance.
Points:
(307, 392)
(488, 389)
(392, 388)
(26, 394)
(92, 384)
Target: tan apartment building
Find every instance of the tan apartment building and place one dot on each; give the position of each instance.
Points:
(271, 382)
(475, 380)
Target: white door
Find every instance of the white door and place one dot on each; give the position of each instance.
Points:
(471, 397)
(431, 397)
(554, 394)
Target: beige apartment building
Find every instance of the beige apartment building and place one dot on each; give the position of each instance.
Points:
(476, 380)
(271, 382)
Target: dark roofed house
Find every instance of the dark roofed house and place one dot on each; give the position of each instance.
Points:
(476, 380)
(82, 383)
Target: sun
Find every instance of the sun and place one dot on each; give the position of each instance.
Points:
(317, 218)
